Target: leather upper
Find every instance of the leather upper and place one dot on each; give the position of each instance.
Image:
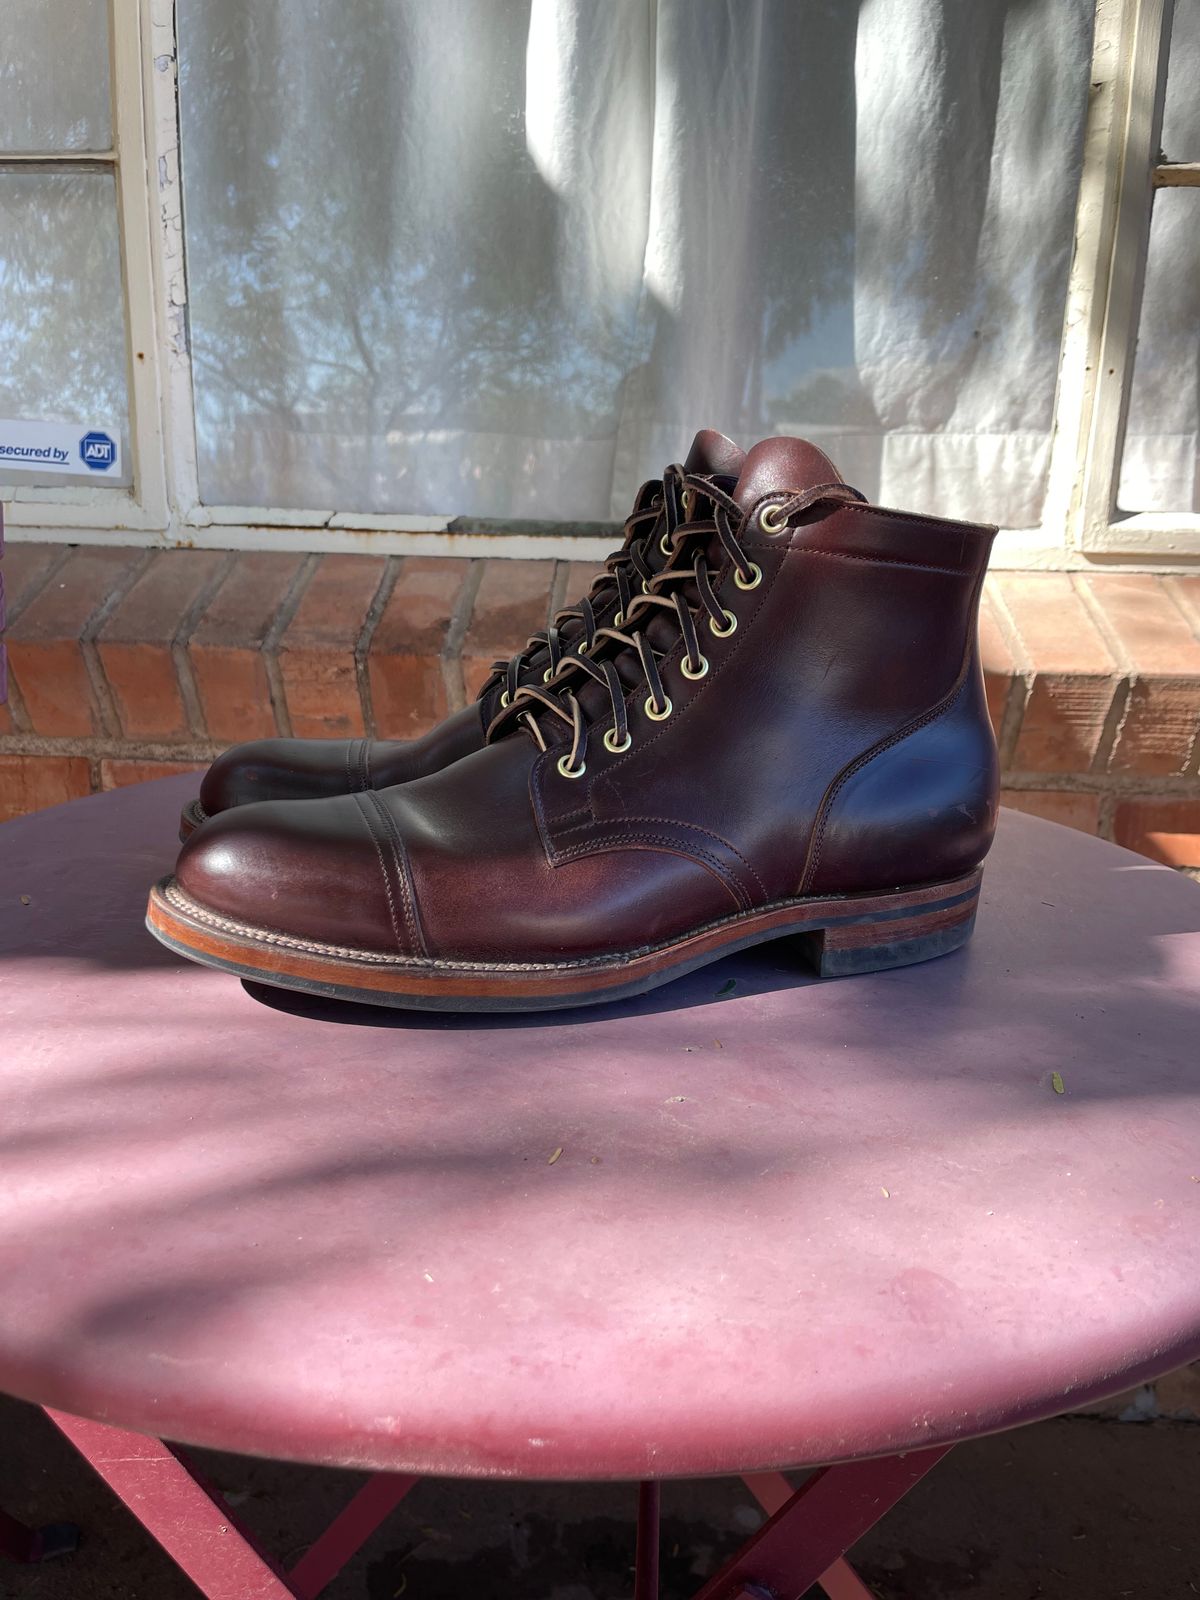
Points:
(837, 743)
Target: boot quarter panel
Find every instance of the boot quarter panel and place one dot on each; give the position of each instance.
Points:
(858, 630)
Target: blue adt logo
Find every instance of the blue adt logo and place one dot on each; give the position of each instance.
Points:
(97, 451)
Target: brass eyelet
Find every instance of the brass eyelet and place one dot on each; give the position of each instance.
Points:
(581, 649)
(753, 581)
(619, 620)
(658, 716)
(687, 671)
(547, 675)
(505, 698)
(645, 586)
(611, 744)
(769, 524)
(685, 500)
(723, 633)
(567, 770)
(664, 544)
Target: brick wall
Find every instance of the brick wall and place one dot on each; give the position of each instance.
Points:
(126, 664)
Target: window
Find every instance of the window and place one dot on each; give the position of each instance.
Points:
(77, 349)
(411, 277)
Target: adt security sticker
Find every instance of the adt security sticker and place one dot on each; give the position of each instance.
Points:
(70, 448)
(97, 451)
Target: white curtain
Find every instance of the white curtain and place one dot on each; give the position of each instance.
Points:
(500, 258)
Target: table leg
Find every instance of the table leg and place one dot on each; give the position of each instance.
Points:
(840, 1581)
(195, 1530)
(809, 1532)
(186, 1515)
(645, 1582)
(348, 1531)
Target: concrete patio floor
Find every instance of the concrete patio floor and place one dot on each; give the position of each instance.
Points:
(1080, 1508)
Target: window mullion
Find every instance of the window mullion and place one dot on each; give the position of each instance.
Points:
(1128, 176)
(58, 158)
(134, 171)
(1177, 175)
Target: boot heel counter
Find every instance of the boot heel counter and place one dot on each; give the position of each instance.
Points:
(921, 810)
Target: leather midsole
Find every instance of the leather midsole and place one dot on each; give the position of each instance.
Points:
(190, 818)
(903, 913)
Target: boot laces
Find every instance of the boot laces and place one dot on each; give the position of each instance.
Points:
(627, 572)
(682, 592)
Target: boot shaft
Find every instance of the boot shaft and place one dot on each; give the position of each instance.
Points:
(850, 673)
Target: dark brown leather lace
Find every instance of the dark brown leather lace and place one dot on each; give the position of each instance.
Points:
(626, 573)
(682, 592)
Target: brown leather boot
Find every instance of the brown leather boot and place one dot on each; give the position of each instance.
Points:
(786, 735)
(309, 769)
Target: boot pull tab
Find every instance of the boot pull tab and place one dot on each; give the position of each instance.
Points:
(773, 515)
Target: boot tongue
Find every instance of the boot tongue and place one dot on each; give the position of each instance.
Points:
(775, 466)
(714, 455)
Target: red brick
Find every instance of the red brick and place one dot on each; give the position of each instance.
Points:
(580, 577)
(316, 656)
(1074, 674)
(43, 645)
(1158, 733)
(1000, 669)
(1080, 811)
(135, 643)
(408, 689)
(512, 603)
(1161, 721)
(226, 645)
(23, 567)
(1164, 830)
(30, 783)
(1186, 591)
(116, 772)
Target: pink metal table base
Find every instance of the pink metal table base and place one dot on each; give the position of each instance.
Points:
(808, 1531)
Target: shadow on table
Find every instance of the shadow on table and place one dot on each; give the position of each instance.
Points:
(778, 966)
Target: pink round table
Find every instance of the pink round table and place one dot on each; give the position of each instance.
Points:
(751, 1222)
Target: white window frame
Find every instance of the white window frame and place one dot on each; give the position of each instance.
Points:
(1121, 170)
(63, 512)
(1081, 525)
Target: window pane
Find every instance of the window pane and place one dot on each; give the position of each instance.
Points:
(1161, 466)
(62, 336)
(54, 75)
(505, 259)
(1181, 109)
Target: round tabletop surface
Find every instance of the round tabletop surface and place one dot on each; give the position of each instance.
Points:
(751, 1220)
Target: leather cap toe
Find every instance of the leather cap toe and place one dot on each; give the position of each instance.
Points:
(325, 870)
